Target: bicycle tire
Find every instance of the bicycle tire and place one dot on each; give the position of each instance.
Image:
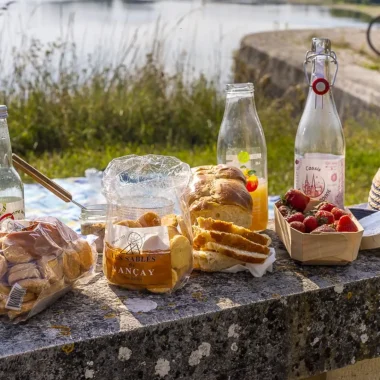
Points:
(369, 41)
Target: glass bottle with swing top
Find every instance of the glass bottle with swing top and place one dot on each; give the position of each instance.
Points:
(319, 163)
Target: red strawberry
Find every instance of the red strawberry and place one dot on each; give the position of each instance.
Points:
(297, 217)
(345, 224)
(326, 206)
(324, 217)
(338, 213)
(284, 210)
(323, 228)
(311, 223)
(299, 226)
(296, 199)
(311, 212)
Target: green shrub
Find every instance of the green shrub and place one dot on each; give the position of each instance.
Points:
(64, 118)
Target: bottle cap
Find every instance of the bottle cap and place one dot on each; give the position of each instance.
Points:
(3, 112)
(321, 45)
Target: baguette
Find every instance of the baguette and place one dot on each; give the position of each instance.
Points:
(221, 226)
(246, 256)
(228, 239)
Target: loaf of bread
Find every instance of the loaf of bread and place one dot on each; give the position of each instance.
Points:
(219, 192)
(220, 245)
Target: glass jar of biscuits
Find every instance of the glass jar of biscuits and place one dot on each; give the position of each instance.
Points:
(93, 222)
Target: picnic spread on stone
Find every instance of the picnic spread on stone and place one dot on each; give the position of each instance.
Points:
(158, 223)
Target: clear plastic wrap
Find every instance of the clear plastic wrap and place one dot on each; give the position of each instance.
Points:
(40, 260)
(148, 240)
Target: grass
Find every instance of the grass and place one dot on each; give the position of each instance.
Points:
(371, 10)
(372, 66)
(65, 119)
(362, 159)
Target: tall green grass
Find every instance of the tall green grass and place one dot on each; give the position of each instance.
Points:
(65, 117)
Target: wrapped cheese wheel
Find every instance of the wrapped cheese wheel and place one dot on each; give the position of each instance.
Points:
(148, 241)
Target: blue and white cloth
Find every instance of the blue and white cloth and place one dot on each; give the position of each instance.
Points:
(41, 202)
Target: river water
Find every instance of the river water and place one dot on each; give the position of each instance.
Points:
(200, 34)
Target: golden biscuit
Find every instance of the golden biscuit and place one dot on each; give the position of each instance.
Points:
(51, 268)
(129, 223)
(181, 252)
(85, 254)
(4, 289)
(23, 274)
(35, 285)
(3, 310)
(25, 308)
(3, 266)
(29, 296)
(53, 288)
(172, 232)
(15, 254)
(165, 290)
(185, 271)
(19, 267)
(55, 232)
(169, 220)
(184, 229)
(149, 219)
(71, 265)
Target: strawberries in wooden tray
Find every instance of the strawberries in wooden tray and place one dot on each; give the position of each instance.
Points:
(324, 217)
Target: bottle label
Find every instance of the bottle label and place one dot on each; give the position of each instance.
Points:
(138, 256)
(12, 210)
(251, 166)
(321, 177)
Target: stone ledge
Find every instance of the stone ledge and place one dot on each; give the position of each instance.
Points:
(292, 323)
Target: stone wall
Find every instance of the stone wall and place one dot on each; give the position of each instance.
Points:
(274, 62)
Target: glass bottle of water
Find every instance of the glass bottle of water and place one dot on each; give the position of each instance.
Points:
(11, 187)
(320, 146)
(241, 143)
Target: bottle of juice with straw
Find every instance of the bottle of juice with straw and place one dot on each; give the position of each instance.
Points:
(241, 143)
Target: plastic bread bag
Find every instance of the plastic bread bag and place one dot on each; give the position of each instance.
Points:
(148, 240)
(40, 261)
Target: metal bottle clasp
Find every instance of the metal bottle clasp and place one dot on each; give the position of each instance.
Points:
(310, 55)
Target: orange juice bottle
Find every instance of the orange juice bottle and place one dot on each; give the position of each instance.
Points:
(241, 143)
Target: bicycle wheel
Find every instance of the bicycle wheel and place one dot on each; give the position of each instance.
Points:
(373, 35)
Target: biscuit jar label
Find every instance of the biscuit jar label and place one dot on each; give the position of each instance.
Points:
(12, 210)
(138, 256)
(321, 177)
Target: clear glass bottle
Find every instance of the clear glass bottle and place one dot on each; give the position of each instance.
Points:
(11, 187)
(241, 143)
(320, 146)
